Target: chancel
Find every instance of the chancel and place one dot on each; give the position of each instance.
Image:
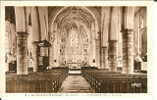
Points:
(76, 49)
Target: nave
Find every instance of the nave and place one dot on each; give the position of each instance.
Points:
(107, 44)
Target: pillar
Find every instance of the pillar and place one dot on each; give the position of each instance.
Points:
(114, 33)
(128, 57)
(35, 36)
(51, 49)
(22, 58)
(128, 40)
(43, 17)
(21, 29)
(35, 56)
(105, 18)
(113, 55)
(93, 46)
(105, 64)
(98, 53)
(102, 58)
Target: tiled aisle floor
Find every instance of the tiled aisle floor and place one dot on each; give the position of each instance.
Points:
(75, 84)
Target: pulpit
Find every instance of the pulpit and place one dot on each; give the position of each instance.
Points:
(43, 54)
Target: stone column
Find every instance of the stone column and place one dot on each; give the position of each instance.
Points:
(98, 53)
(105, 19)
(22, 56)
(128, 52)
(102, 60)
(114, 33)
(93, 46)
(35, 37)
(113, 55)
(128, 40)
(35, 56)
(21, 29)
(105, 64)
(51, 55)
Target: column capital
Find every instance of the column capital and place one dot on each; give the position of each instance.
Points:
(104, 47)
(127, 30)
(113, 41)
(22, 34)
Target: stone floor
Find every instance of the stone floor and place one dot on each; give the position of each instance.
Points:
(75, 84)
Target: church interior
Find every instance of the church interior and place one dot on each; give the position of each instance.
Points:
(76, 49)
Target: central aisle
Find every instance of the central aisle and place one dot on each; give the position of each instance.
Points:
(75, 84)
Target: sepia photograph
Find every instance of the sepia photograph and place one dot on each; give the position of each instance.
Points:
(76, 49)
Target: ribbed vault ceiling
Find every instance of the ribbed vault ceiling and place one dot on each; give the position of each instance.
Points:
(76, 18)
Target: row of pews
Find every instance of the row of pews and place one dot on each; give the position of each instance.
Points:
(115, 82)
(37, 82)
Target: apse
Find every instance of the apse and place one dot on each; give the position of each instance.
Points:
(73, 31)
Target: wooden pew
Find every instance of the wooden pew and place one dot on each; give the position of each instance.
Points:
(113, 82)
(38, 82)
